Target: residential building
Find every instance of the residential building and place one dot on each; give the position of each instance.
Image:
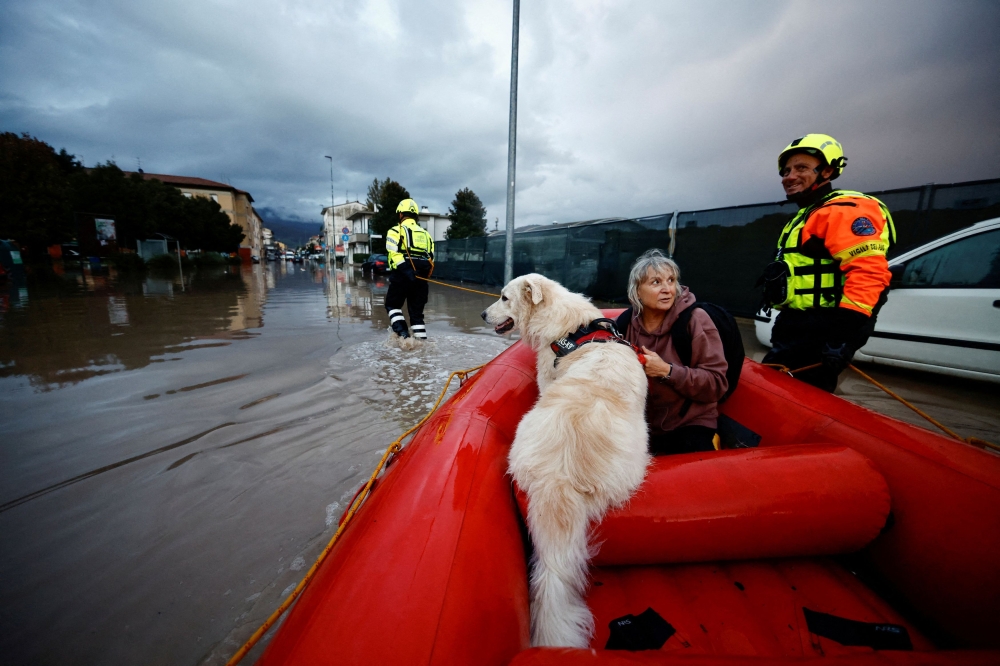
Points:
(235, 203)
(360, 240)
(335, 219)
(435, 223)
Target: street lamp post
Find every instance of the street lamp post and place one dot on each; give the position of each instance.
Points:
(332, 221)
(508, 261)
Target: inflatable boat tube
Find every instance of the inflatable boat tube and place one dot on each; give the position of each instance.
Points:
(744, 504)
(783, 501)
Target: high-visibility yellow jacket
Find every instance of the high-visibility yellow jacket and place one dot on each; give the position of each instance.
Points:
(835, 250)
(408, 239)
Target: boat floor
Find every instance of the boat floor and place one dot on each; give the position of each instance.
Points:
(742, 608)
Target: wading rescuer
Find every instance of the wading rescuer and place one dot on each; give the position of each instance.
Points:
(830, 276)
(411, 253)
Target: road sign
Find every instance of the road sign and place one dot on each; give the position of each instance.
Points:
(345, 238)
(345, 230)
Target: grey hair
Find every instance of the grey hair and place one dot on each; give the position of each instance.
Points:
(650, 260)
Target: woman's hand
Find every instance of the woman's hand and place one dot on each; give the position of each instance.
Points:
(655, 366)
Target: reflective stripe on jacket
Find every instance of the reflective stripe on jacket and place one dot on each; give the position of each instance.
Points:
(835, 251)
(408, 239)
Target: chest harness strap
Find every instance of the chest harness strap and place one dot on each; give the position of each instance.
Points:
(599, 330)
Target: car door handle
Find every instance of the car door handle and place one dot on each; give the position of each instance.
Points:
(996, 304)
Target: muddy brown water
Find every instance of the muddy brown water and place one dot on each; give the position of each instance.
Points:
(174, 457)
(173, 461)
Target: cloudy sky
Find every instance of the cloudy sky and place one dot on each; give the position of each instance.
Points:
(626, 108)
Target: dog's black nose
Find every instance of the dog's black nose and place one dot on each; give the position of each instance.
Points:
(483, 315)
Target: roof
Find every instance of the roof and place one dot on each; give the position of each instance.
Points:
(560, 225)
(191, 181)
(346, 204)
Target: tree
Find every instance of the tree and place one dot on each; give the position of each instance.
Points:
(467, 215)
(35, 196)
(142, 208)
(40, 190)
(385, 195)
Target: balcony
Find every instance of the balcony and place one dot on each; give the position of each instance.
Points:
(358, 238)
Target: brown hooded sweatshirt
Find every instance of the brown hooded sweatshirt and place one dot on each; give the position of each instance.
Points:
(704, 381)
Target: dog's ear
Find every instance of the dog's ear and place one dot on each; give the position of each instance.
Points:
(533, 287)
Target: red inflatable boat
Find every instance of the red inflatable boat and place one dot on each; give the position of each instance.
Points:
(836, 536)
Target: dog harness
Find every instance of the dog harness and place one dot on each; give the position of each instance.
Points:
(599, 330)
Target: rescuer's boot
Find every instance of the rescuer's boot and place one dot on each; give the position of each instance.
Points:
(398, 324)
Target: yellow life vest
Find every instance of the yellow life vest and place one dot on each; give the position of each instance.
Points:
(812, 276)
(408, 239)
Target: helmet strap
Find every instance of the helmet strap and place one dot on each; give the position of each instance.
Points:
(820, 180)
(806, 198)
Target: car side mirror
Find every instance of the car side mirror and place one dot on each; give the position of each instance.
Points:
(897, 276)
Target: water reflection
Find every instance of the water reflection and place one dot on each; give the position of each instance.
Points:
(81, 325)
(357, 298)
(360, 298)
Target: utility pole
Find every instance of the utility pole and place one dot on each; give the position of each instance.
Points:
(508, 259)
(332, 225)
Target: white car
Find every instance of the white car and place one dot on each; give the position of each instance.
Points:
(943, 312)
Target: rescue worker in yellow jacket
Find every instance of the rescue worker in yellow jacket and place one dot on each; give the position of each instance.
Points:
(830, 276)
(411, 254)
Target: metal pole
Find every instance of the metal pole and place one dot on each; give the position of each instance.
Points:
(508, 260)
(332, 222)
(180, 268)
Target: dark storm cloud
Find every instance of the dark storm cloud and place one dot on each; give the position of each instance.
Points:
(626, 108)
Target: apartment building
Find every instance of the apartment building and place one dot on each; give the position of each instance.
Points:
(236, 203)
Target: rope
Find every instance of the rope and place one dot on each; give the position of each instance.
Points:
(791, 373)
(975, 441)
(356, 503)
(454, 286)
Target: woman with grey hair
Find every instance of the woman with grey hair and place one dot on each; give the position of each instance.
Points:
(682, 403)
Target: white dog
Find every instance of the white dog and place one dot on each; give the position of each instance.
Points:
(581, 450)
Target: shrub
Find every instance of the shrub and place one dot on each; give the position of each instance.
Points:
(127, 262)
(361, 258)
(164, 262)
(209, 260)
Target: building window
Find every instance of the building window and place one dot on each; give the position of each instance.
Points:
(215, 197)
(187, 194)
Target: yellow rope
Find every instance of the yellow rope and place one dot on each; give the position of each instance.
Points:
(453, 286)
(784, 368)
(975, 441)
(355, 505)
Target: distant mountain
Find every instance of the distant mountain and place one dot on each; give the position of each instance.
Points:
(290, 232)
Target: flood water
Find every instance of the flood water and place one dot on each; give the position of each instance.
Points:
(174, 459)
